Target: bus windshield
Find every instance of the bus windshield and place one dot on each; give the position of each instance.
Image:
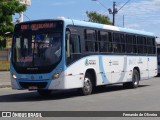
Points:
(36, 49)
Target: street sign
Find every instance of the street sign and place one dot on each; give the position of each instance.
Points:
(27, 2)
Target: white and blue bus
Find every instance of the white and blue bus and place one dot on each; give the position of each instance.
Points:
(64, 54)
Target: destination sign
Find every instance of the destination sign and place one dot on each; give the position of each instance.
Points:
(37, 26)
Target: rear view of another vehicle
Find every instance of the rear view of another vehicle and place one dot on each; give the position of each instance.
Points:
(158, 57)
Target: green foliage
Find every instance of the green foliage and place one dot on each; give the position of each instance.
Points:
(98, 18)
(7, 9)
(2, 43)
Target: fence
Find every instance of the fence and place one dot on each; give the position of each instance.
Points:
(4, 59)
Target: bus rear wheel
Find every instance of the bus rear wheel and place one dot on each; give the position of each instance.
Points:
(87, 85)
(135, 80)
(44, 93)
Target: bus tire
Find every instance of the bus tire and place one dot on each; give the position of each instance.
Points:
(135, 80)
(87, 85)
(44, 93)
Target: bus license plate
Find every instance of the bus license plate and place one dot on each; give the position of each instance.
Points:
(33, 88)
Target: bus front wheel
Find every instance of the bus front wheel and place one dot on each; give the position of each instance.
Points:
(87, 85)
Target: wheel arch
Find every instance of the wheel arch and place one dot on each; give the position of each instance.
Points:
(137, 68)
(92, 72)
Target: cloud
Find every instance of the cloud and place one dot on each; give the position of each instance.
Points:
(156, 2)
(144, 12)
(140, 14)
(142, 7)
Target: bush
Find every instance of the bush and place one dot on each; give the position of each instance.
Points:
(2, 44)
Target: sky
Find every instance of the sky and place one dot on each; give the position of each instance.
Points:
(138, 14)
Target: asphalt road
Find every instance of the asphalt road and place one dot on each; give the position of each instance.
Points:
(111, 98)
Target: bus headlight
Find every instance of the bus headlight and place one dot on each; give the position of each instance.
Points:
(57, 74)
(13, 75)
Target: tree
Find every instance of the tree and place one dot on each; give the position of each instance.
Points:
(7, 9)
(98, 18)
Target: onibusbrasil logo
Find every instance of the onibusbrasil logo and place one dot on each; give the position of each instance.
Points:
(90, 62)
(86, 62)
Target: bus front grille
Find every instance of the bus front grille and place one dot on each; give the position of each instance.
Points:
(26, 85)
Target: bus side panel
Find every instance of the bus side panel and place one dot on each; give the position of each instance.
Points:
(152, 66)
(114, 68)
(73, 81)
(140, 62)
(75, 73)
(118, 68)
(104, 74)
(108, 69)
(147, 66)
(144, 74)
(134, 62)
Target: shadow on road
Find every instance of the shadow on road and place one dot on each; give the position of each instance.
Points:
(57, 95)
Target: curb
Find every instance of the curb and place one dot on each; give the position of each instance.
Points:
(5, 86)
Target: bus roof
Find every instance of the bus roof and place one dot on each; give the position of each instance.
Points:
(97, 25)
(107, 27)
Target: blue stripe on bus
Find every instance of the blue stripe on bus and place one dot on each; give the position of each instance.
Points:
(102, 72)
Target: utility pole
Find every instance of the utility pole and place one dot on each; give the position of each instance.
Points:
(113, 11)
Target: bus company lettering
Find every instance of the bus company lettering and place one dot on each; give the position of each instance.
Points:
(140, 61)
(90, 62)
(115, 63)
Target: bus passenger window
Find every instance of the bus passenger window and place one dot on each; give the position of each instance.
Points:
(90, 40)
(68, 52)
(75, 43)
